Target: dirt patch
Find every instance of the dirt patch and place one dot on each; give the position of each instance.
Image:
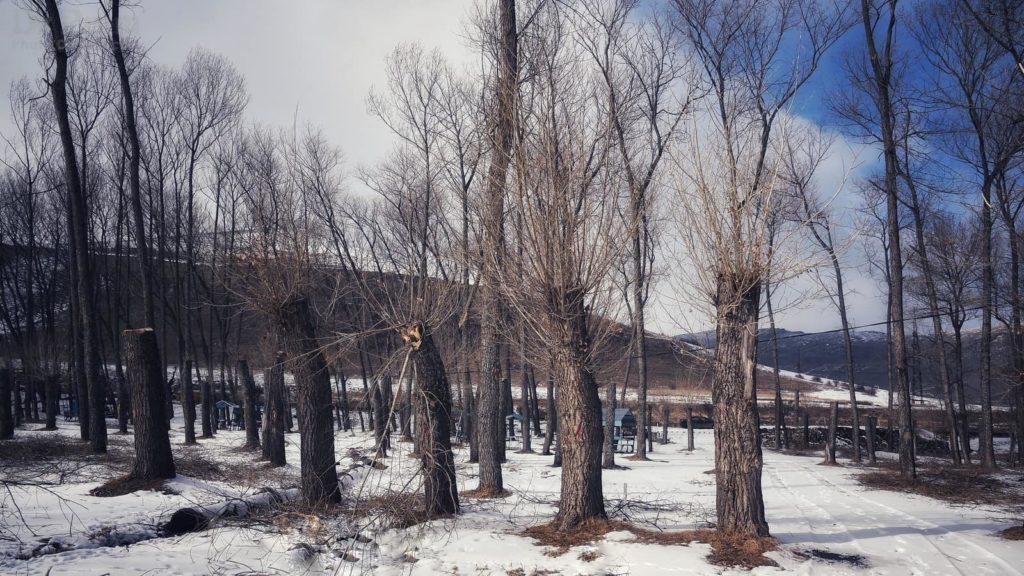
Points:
(127, 485)
(854, 560)
(1015, 533)
(955, 485)
(736, 550)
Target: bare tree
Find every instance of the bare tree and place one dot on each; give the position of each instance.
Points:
(726, 193)
(879, 21)
(78, 220)
(502, 128)
(985, 138)
(642, 70)
(213, 96)
(565, 189)
(803, 155)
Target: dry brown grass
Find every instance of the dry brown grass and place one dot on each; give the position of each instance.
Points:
(393, 510)
(740, 550)
(588, 531)
(484, 494)
(955, 485)
(589, 555)
(128, 484)
(204, 466)
(737, 550)
(1015, 533)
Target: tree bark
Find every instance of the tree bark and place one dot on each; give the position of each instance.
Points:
(433, 423)
(872, 420)
(535, 403)
(153, 457)
(807, 431)
(252, 426)
(551, 426)
(274, 391)
(986, 450)
(776, 378)
(524, 388)
(188, 401)
(738, 460)
(318, 476)
(6, 418)
(346, 418)
(609, 427)
(579, 412)
(52, 393)
(378, 406)
(665, 415)
(830, 441)
(689, 428)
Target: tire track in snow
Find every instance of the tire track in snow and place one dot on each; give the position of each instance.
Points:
(824, 486)
(922, 524)
(822, 517)
(912, 562)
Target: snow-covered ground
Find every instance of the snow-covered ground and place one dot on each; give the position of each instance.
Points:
(813, 510)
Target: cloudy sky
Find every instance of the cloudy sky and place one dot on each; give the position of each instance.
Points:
(315, 61)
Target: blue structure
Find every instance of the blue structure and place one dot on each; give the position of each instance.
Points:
(624, 435)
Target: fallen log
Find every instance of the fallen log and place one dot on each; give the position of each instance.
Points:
(196, 518)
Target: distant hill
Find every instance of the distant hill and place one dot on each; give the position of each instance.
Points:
(817, 354)
(824, 355)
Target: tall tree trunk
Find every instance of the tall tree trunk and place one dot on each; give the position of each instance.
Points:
(881, 66)
(6, 418)
(318, 476)
(871, 439)
(252, 426)
(524, 388)
(153, 457)
(274, 391)
(433, 423)
(848, 348)
(551, 426)
(79, 216)
(188, 403)
(134, 160)
(961, 393)
(639, 219)
(689, 428)
(738, 460)
(346, 420)
(535, 403)
(379, 420)
(776, 378)
(490, 421)
(830, 440)
(609, 427)
(933, 309)
(124, 403)
(666, 413)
